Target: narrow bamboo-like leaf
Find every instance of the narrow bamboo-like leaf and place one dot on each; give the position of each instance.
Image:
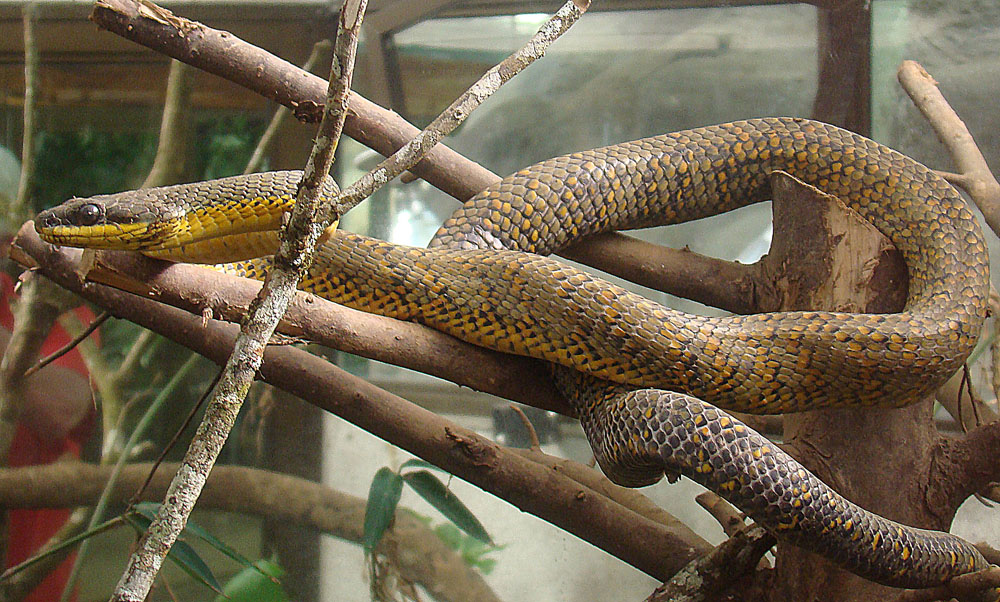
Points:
(149, 510)
(201, 533)
(383, 497)
(258, 583)
(451, 535)
(418, 463)
(434, 491)
(181, 553)
(72, 541)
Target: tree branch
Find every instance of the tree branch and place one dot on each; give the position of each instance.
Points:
(544, 492)
(22, 202)
(728, 285)
(225, 55)
(975, 177)
(292, 260)
(966, 465)
(718, 571)
(168, 165)
(425, 559)
(281, 115)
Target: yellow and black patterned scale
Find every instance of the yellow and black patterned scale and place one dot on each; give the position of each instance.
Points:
(637, 372)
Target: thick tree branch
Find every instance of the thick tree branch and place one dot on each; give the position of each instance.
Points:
(967, 465)
(225, 55)
(713, 573)
(425, 559)
(728, 285)
(203, 291)
(639, 541)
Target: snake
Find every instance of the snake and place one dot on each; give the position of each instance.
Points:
(650, 384)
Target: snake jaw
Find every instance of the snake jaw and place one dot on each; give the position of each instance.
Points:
(105, 222)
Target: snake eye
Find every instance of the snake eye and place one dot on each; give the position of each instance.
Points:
(88, 214)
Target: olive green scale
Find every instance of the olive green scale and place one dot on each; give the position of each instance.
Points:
(640, 374)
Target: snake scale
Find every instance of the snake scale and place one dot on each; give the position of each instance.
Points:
(643, 378)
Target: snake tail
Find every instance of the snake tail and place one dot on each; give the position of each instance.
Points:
(674, 433)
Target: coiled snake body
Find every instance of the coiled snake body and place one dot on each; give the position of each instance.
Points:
(640, 374)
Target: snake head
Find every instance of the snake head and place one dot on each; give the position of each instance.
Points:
(111, 221)
(215, 221)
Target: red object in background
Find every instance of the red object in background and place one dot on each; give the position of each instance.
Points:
(36, 442)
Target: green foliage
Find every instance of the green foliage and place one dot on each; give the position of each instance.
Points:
(464, 533)
(258, 583)
(383, 497)
(181, 553)
(88, 161)
(447, 503)
(473, 551)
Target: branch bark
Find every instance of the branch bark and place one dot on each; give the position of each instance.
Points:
(975, 176)
(298, 242)
(544, 492)
(225, 55)
(424, 558)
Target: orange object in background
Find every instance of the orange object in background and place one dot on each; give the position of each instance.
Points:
(55, 424)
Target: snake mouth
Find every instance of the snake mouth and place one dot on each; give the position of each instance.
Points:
(134, 236)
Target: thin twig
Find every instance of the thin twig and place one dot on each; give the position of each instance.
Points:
(135, 353)
(293, 258)
(413, 151)
(22, 203)
(180, 430)
(994, 347)
(532, 434)
(168, 164)
(94, 325)
(281, 115)
(729, 518)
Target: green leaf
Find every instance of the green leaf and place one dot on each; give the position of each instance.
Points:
(485, 565)
(181, 553)
(256, 583)
(418, 463)
(72, 541)
(383, 497)
(451, 535)
(434, 491)
(147, 510)
(203, 534)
